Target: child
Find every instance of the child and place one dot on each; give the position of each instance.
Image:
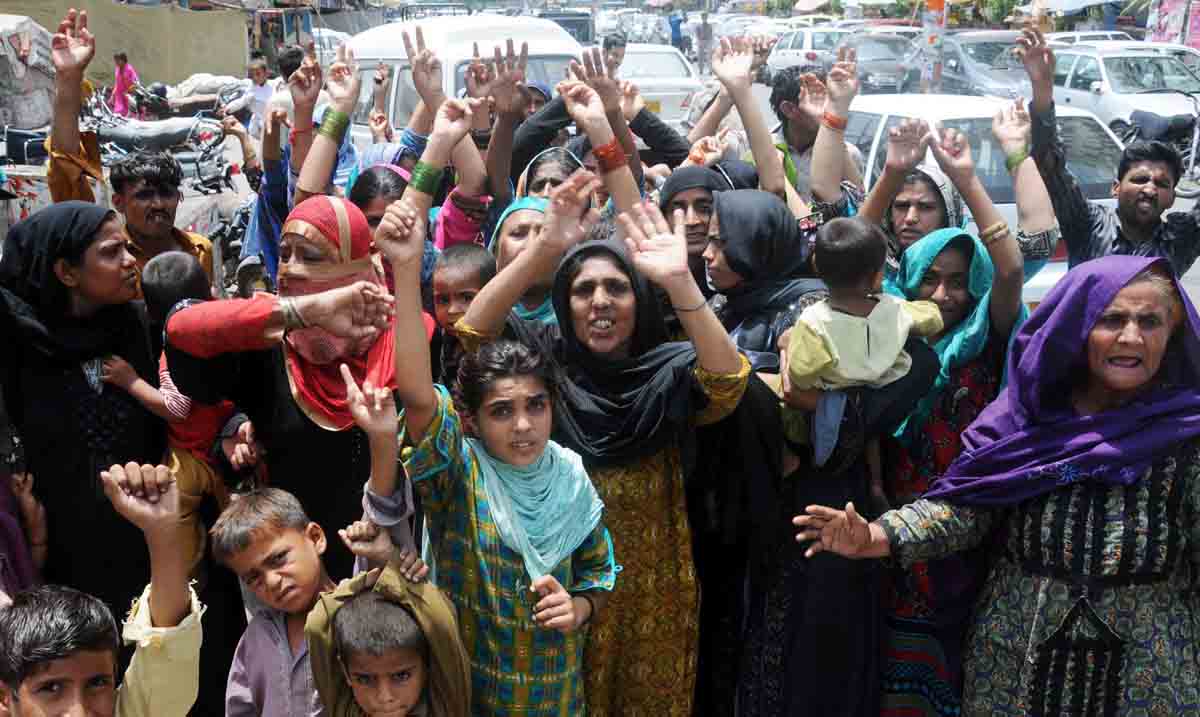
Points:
(58, 646)
(460, 272)
(266, 538)
(854, 338)
(514, 521)
(382, 644)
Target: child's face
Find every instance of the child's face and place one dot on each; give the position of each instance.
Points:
(388, 685)
(514, 419)
(454, 287)
(283, 568)
(81, 684)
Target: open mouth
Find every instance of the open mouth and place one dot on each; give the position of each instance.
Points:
(1124, 362)
(601, 325)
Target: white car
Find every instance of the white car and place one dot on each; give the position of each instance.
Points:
(666, 79)
(1113, 82)
(1070, 38)
(804, 47)
(1093, 153)
(905, 31)
(327, 42)
(1189, 56)
(803, 21)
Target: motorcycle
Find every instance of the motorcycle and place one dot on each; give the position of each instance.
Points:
(1181, 132)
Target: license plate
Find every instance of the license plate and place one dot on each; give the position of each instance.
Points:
(884, 80)
(654, 106)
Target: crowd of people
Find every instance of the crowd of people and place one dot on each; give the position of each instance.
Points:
(533, 422)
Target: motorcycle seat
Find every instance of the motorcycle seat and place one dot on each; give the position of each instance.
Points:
(1154, 126)
(157, 136)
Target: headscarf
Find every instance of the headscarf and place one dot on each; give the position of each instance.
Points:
(38, 302)
(523, 180)
(545, 312)
(737, 173)
(1030, 441)
(685, 178)
(951, 200)
(611, 411)
(543, 511)
(960, 344)
(313, 355)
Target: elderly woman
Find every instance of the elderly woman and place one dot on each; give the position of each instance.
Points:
(1090, 463)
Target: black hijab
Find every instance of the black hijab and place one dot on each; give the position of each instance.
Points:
(38, 303)
(613, 411)
(691, 177)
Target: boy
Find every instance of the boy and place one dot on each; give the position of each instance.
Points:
(58, 646)
(854, 338)
(266, 538)
(460, 273)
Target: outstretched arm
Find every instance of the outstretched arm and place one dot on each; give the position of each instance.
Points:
(72, 49)
(829, 157)
(907, 143)
(732, 63)
(343, 87)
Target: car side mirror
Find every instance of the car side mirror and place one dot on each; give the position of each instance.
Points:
(1097, 87)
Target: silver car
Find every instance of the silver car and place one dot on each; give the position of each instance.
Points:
(813, 46)
(666, 79)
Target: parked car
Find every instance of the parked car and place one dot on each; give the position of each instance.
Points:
(579, 24)
(1093, 153)
(327, 42)
(905, 31)
(982, 63)
(1070, 38)
(666, 79)
(1189, 56)
(882, 65)
(551, 50)
(803, 21)
(1113, 82)
(803, 48)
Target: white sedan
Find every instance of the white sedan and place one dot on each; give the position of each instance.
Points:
(666, 79)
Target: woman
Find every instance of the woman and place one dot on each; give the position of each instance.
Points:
(629, 403)
(67, 288)
(1089, 462)
(291, 389)
(519, 226)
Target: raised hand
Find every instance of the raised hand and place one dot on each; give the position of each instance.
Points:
(732, 63)
(368, 541)
(145, 495)
(505, 90)
(1037, 57)
(762, 46)
(453, 119)
(583, 104)
(632, 102)
(658, 253)
(411, 566)
(709, 150)
(397, 237)
(372, 407)
(906, 147)
(595, 74)
(381, 128)
(381, 74)
(305, 83)
(812, 98)
(566, 223)
(478, 76)
(344, 82)
(556, 609)
(1012, 127)
(953, 154)
(842, 81)
(73, 46)
(241, 449)
(426, 71)
(844, 532)
(357, 312)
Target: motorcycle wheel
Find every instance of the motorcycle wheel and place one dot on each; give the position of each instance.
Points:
(1189, 184)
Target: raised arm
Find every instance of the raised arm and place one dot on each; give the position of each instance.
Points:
(71, 49)
(906, 147)
(661, 256)
(595, 74)
(659, 136)
(343, 86)
(561, 229)
(710, 121)
(305, 87)
(953, 154)
(589, 112)
(249, 156)
(829, 158)
(732, 63)
(1035, 210)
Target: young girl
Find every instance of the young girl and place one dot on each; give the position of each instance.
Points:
(518, 542)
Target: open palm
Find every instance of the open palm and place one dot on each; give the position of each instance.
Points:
(658, 253)
(906, 145)
(73, 46)
(732, 62)
(844, 532)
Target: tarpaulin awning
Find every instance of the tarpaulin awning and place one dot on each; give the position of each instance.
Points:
(809, 5)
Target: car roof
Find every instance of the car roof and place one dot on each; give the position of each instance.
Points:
(454, 36)
(983, 36)
(940, 107)
(649, 47)
(1110, 47)
(1134, 45)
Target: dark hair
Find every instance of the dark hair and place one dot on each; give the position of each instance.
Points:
(496, 360)
(555, 155)
(849, 252)
(786, 86)
(1152, 151)
(157, 169)
(615, 40)
(168, 279)
(370, 623)
(374, 183)
(262, 511)
(918, 177)
(468, 256)
(257, 63)
(50, 623)
(121, 56)
(288, 60)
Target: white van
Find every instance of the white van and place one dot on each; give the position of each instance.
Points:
(452, 38)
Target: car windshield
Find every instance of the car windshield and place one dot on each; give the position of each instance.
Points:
(546, 70)
(1131, 75)
(997, 55)
(1092, 155)
(881, 48)
(656, 65)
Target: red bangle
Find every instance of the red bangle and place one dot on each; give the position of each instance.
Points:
(610, 157)
(298, 130)
(834, 122)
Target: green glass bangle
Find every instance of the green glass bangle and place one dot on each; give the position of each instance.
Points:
(334, 125)
(425, 178)
(1012, 161)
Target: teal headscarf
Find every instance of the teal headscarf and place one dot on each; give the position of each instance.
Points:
(966, 341)
(543, 511)
(545, 312)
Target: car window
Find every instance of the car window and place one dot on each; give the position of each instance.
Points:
(798, 41)
(879, 48)
(546, 70)
(1092, 155)
(827, 40)
(860, 131)
(1190, 60)
(952, 58)
(406, 99)
(1062, 68)
(785, 41)
(1085, 74)
(366, 97)
(658, 65)
(1163, 73)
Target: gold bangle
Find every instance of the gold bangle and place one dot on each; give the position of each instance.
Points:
(994, 233)
(292, 319)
